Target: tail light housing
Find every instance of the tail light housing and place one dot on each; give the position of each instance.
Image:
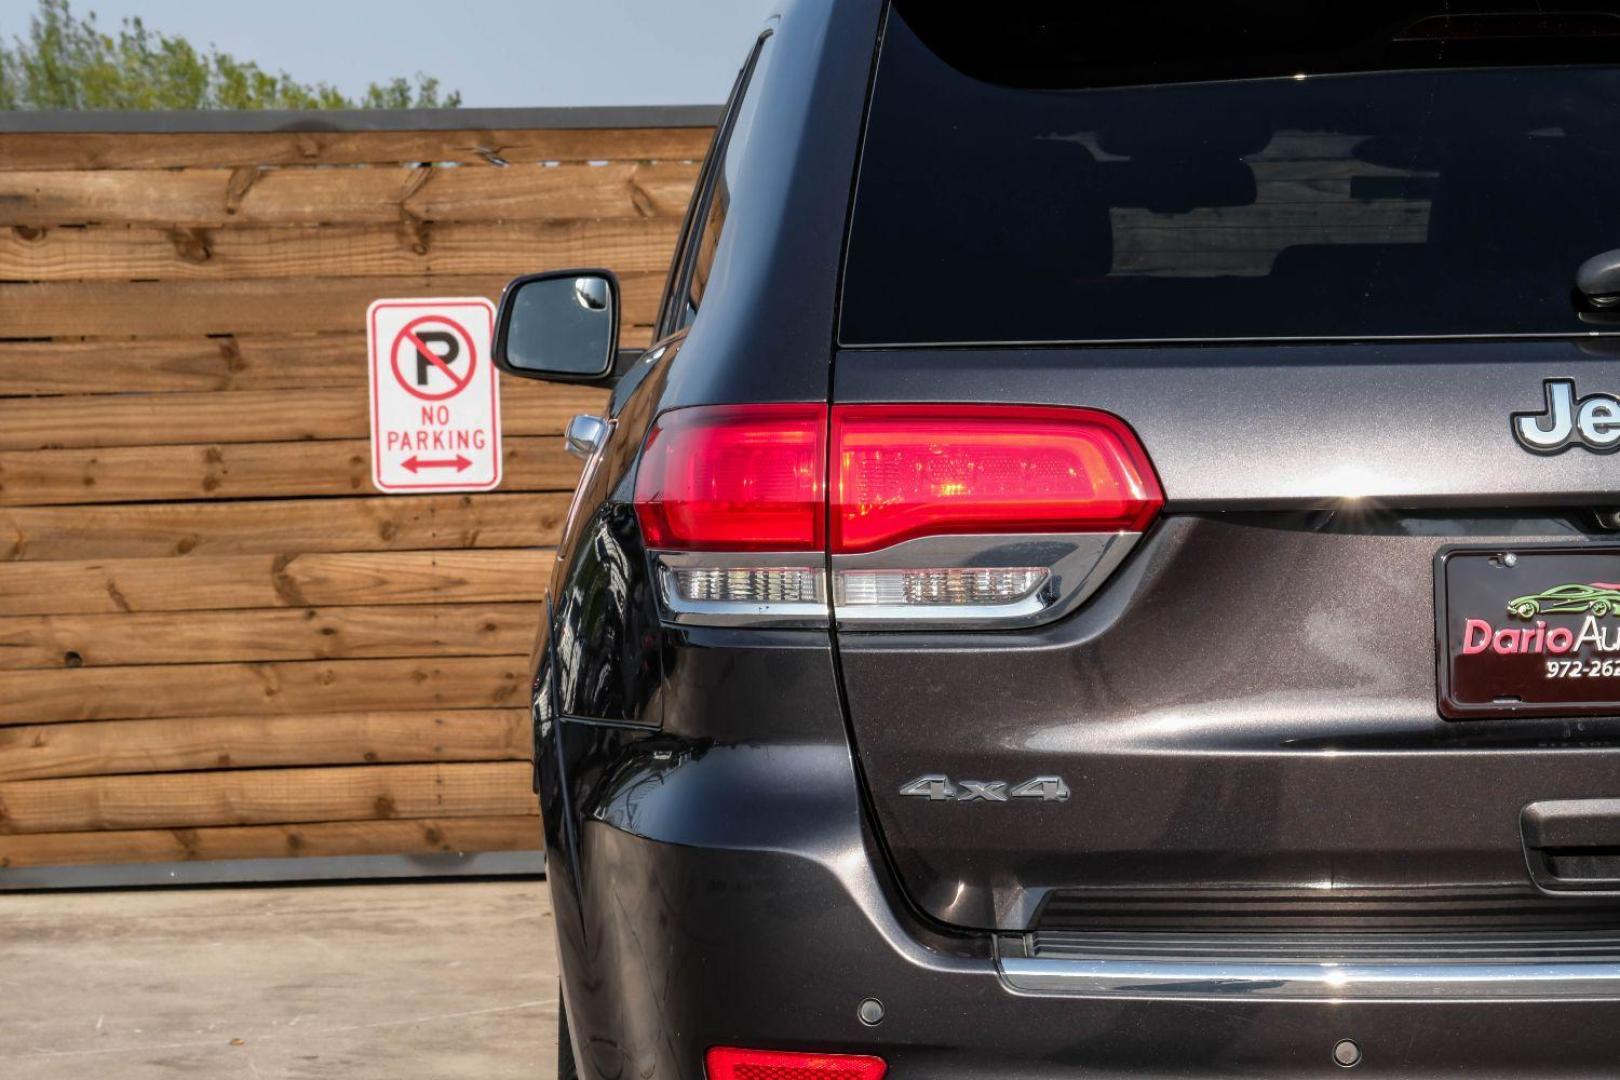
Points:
(728, 1063)
(735, 478)
(966, 515)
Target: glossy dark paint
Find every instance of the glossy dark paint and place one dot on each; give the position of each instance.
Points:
(720, 884)
(729, 864)
(718, 931)
(675, 736)
(1249, 704)
(766, 330)
(1227, 707)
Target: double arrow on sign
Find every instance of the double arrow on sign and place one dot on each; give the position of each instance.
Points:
(416, 464)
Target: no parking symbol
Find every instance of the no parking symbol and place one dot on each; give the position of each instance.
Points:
(435, 401)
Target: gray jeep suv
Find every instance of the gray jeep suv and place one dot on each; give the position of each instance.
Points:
(1107, 565)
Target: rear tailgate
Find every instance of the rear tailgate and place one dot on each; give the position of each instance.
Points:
(1249, 704)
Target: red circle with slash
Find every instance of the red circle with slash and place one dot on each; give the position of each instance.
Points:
(410, 336)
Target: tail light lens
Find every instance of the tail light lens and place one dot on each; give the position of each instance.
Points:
(727, 1063)
(905, 471)
(923, 502)
(735, 478)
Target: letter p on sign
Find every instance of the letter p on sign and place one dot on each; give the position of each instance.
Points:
(435, 400)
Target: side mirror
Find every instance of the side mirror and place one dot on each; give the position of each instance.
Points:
(562, 326)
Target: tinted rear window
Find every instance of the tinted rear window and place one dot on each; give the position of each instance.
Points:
(1428, 202)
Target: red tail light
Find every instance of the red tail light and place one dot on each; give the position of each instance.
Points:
(904, 471)
(726, 1063)
(735, 478)
(734, 501)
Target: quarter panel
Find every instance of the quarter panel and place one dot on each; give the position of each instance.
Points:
(765, 330)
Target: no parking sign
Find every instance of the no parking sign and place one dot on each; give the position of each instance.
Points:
(435, 401)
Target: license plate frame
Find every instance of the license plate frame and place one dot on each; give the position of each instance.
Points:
(1479, 583)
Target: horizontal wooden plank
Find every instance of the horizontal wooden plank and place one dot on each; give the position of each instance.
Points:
(120, 366)
(286, 580)
(403, 523)
(474, 147)
(257, 416)
(345, 633)
(170, 198)
(410, 837)
(446, 682)
(119, 474)
(265, 797)
(119, 747)
(123, 253)
(280, 306)
(149, 419)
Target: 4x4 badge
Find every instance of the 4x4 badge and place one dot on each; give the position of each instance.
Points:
(1592, 421)
(937, 788)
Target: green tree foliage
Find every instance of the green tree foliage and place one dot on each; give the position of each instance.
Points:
(65, 62)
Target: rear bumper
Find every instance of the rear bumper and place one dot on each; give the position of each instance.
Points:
(738, 901)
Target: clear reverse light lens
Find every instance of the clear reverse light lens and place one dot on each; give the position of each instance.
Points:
(964, 587)
(748, 584)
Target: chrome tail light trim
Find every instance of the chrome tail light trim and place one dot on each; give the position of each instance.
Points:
(1075, 564)
(1058, 572)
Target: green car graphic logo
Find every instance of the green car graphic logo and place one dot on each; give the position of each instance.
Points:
(1598, 597)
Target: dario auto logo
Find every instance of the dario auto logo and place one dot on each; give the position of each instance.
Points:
(1595, 600)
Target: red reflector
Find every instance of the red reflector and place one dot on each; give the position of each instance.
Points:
(904, 471)
(726, 1063)
(734, 478)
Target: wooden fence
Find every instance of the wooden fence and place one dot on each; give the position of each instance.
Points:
(216, 641)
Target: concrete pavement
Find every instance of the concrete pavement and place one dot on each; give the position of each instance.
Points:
(395, 982)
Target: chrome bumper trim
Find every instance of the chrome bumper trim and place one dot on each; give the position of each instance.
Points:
(1349, 980)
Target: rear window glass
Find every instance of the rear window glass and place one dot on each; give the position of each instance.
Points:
(1346, 204)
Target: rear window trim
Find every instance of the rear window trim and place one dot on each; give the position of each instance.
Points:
(1214, 342)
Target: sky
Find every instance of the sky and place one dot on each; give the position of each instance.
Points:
(496, 52)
